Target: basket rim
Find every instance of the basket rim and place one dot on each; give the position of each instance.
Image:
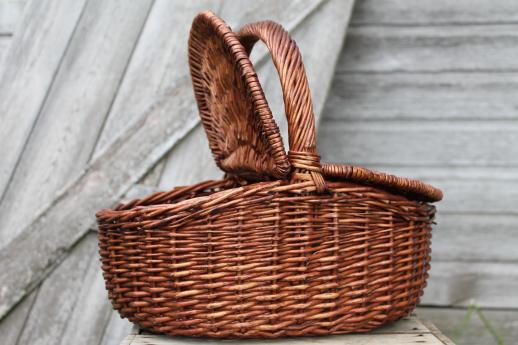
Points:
(229, 187)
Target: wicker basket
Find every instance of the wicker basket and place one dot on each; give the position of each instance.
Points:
(283, 245)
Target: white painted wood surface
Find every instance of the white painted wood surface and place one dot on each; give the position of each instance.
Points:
(409, 330)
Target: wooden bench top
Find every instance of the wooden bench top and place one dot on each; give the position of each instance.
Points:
(409, 330)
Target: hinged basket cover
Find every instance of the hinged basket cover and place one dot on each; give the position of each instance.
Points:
(243, 136)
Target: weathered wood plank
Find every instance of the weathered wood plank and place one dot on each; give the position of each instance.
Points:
(159, 62)
(483, 196)
(435, 331)
(11, 326)
(474, 237)
(407, 12)
(489, 284)
(34, 57)
(181, 169)
(10, 15)
(116, 330)
(73, 113)
(431, 49)
(58, 298)
(87, 322)
(317, 37)
(61, 224)
(407, 331)
(122, 164)
(439, 143)
(449, 321)
(423, 96)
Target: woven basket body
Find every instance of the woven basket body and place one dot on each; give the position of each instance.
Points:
(284, 245)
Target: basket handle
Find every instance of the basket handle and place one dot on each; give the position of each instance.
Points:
(297, 97)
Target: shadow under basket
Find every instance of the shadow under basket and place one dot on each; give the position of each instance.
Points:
(282, 246)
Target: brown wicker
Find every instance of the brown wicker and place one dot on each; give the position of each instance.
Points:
(284, 245)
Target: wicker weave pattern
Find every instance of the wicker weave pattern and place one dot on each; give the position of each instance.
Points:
(266, 260)
(324, 249)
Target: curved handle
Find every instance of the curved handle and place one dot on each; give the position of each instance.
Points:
(297, 97)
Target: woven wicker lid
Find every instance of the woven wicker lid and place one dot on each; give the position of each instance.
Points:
(242, 133)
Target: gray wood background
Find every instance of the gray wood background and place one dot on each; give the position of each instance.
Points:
(422, 89)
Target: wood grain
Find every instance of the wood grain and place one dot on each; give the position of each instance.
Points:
(439, 96)
(417, 143)
(489, 284)
(158, 64)
(33, 60)
(406, 12)
(73, 113)
(61, 224)
(11, 326)
(431, 49)
(50, 313)
(87, 322)
(474, 237)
